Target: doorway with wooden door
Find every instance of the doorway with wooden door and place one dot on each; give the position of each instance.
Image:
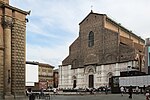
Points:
(91, 81)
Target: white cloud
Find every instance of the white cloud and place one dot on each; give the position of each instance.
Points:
(52, 56)
(48, 17)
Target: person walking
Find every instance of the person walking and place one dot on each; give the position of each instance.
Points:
(54, 91)
(106, 90)
(41, 93)
(30, 94)
(144, 89)
(147, 95)
(137, 89)
(130, 92)
(122, 90)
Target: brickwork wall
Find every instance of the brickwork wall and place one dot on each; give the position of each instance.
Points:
(126, 53)
(105, 44)
(109, 46)
(126, 41)
(92, 23)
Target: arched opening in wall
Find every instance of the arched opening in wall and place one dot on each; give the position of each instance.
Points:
(91, 39)
(109, 76)
(74, 81)
(143, 63)
(91, 81)
(137, 62)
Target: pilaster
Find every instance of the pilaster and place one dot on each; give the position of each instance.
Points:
(103, 76)
(117, 71)
(7, 24)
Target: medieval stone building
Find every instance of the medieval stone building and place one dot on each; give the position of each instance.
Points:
(12, 50)
(103, 49)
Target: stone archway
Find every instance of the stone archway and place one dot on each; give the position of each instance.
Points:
(89, 72)
(109, 75)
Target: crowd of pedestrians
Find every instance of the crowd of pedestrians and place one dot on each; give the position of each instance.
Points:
(105, 89)
(137, 90)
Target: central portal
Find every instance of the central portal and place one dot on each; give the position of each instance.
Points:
(74, 83)
(91, 81)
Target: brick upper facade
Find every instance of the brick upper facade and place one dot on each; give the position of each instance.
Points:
(112, 44)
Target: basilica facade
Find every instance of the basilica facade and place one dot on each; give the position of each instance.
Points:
(103, 49)
(12, 50)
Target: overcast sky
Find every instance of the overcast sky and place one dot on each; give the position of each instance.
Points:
(54, 24)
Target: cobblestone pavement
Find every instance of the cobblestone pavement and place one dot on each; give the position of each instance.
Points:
(98, 97)
(93, 97)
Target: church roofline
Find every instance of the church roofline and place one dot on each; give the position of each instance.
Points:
(118, 24)
(14, 8)
(89, 14)
(114, 22)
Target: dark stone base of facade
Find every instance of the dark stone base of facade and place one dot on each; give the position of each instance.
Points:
(9, 97)
(1, 95)
(12, 97)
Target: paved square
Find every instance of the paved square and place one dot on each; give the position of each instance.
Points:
(93, 97)
(98, 97)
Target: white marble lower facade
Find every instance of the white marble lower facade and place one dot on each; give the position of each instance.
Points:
(100, 74)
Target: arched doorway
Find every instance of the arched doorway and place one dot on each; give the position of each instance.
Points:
(91, 81)
(89, 73)
(74, 81)
(109, 76)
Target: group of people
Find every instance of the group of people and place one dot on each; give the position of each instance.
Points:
(123, 90)
(130, 91)
(31, 96)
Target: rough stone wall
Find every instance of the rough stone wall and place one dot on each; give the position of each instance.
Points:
(126, 41)
(18, 56)
(126, 53)
(92, 23)
(110, 47)
(139, 47)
